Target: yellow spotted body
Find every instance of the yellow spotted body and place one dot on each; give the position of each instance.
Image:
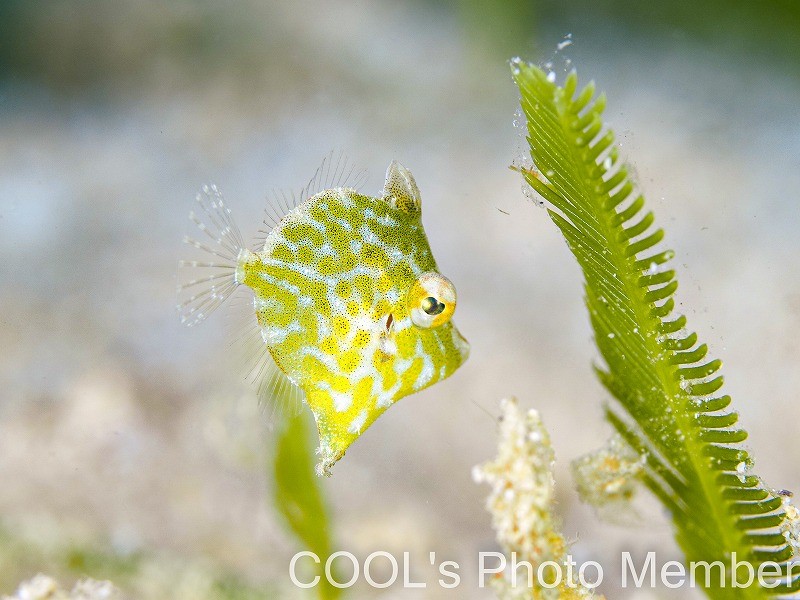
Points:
(351, 306)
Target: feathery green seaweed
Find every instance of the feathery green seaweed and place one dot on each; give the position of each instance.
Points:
(669, 407)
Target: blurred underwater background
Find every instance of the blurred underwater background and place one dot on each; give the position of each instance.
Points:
(133, 449)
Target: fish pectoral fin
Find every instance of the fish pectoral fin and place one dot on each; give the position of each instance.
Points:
(386, 344)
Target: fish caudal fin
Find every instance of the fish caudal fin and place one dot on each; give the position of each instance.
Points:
(209, 277)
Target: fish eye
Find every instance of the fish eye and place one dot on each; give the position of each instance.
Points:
(432, 306)
(431, 300)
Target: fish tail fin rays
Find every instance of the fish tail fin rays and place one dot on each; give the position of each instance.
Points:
(209, 276)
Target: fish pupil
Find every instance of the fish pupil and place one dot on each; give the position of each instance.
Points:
(432, 306)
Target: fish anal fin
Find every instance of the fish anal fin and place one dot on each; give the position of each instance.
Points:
(278, 395)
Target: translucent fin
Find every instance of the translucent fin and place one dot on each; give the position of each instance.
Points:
(280, 398)
(336, 171)
(208, 277)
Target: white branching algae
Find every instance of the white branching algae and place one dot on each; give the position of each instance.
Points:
(522, 486)
(609, 475)
(521, 504)
(42, 587)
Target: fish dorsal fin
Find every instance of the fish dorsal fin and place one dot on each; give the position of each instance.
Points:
(280, 398)
(335, 171)
(400, 189)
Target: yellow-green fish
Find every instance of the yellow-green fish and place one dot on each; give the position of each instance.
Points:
(348, 299)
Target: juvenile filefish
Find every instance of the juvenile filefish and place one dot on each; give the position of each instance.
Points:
(349, 303)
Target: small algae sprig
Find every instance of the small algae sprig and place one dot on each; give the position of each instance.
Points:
(521, 503)
(351, 312)
(609, 476)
